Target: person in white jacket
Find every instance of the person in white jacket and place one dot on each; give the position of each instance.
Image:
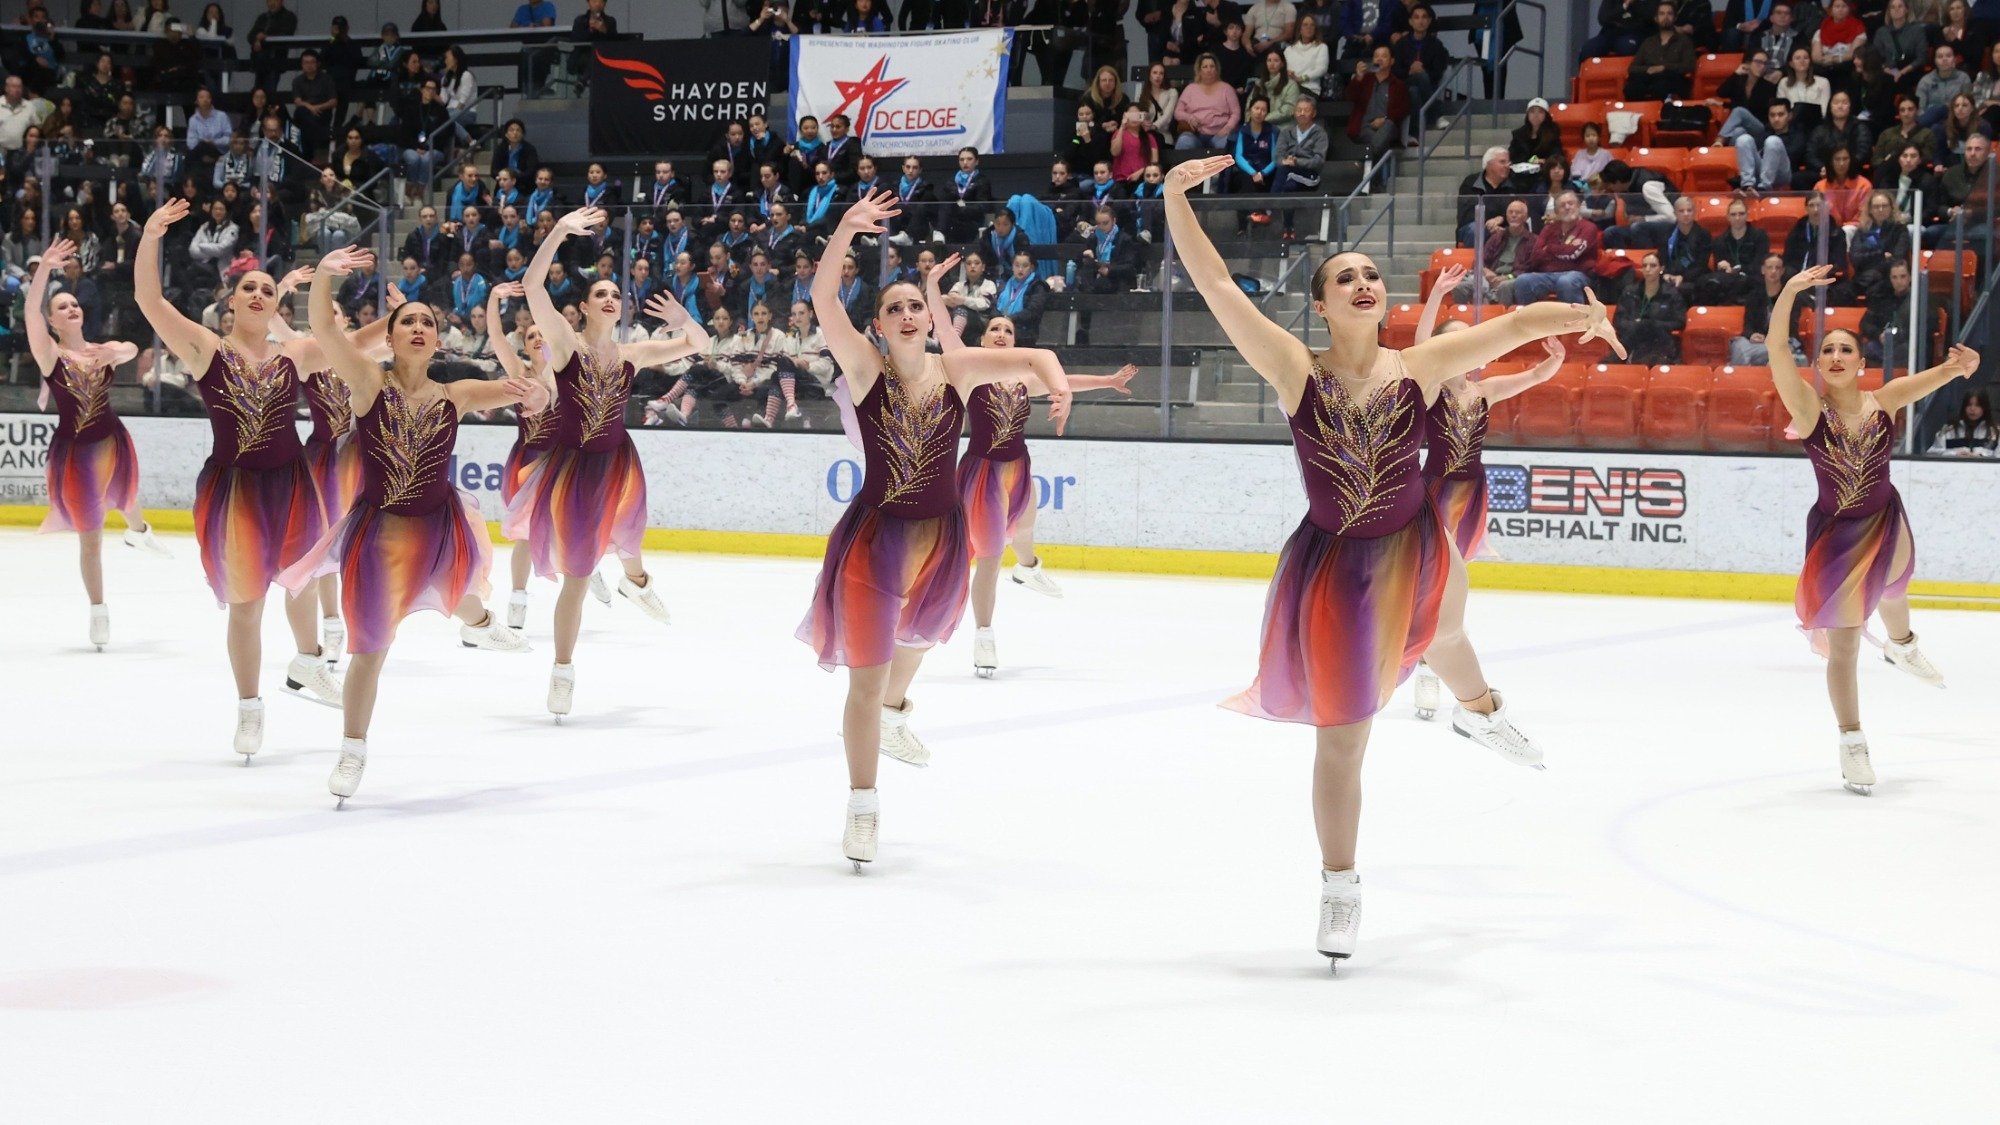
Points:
(972, 296)
(1306, 56)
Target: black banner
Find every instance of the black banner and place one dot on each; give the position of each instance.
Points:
(666, 96)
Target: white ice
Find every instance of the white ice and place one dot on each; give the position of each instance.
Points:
(1096, 905)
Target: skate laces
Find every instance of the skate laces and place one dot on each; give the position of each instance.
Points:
(1338, 913)
(350, 764)
(861, 826)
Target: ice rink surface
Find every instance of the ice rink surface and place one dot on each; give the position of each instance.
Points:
(1098, 904)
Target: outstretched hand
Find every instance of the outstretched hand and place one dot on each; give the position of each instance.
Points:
(294, 280)
(871, 213)
(166, 215)
(1963, 360)
(56, 257)
(347, 259)
(508, 290)
(98, 355)
(519, 389)
(1554, 346)
(1599, 326)
(938, 272)
(1448, 280)
(1189, 173)
(393, 297)
(1813, 277)
(1122, 378)
(1059, 401)
(580, 220)
(664, 308)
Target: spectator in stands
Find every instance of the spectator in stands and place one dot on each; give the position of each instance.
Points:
(460, 92)
(1801, 87)
(1779, 36)
(1110, 259)
(1890, 141)
(822, 202)
(378, 77)
(468, 191)
(1839, 38)
(1133, 146)
(1663, 66)
(18, 113)
(865, 17)
(534, 13)
(1743, 21)
(1301, 153)
(429, 17)
(1538, 139)
(176, 61)
(971, 299)
(213, 246)
(773, 196)
(424, 141)
(1965, 187)
(1421, 60)
(1562, 259)
(732, 146)
(99, 92)
(1306, 55)
(1157, 100)
(1752, 348)
(843, 152)
(1972, 433)
(1696, 20)
(665, 193)
(598, 188)
(1748, 94)
(1766, 158)
(1268, 24)
(1816, 240)
(514, 151)
(1208, 111)
(1232, 57)
(1881, 237)
(866, 180)
(213, 25)
(1737, 254)
(1960, 122)
(545, 199)
(1840, 128)
(1555, 179)
(1381, 104)
(1649, 209)
(427, 243)
(1022, 297)
(469, 288)
(1936, 89)
(1684, 253)
(731, 17)
(1901, 45)
(1107, 101)
(1507, 254)
(314, 98)
(718, 203)
(507, 191)
(1086, 144)
(1490, 184)
(1277, 86)
(1620, 23)
(1912, 181)
(1256, 160)
(1649, 313)
(42, 67)
(1846, 191)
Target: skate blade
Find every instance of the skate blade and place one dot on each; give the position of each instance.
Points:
(559, 719)
(1426, 715)
(857, 863)
(984, 673)
(298, 690)
(246, 759)
(1333, 961)
(1858, 790)
(339, 803)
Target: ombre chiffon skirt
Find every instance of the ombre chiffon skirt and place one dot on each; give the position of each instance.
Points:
(392, 566)
(88, 479)
(1852, 563)
(1346, 621)
(887, 581)
(336, 469)
(575, 507)
(1461, 501)
(249, 524)
(996, 496)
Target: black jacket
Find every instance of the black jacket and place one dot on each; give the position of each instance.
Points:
(1802, 247)
(1746, 254)
(1686, 255)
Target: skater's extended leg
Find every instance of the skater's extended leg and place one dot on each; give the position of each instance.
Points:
(1337, 791)
(364, 676)
(246, 645)
(902, 669)
(302, 613)
(472, 611)
(1843, 650)
(1895, 614)
(569, 615)
(521, 563)
(90, 560)
(985, 584)
(861, 722)
(635, 569)
(1024, 537)
(329, 595)
(1450, 654)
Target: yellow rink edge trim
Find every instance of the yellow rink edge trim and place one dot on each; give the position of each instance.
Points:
(1541, 577)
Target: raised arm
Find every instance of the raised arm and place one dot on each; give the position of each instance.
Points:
(658, 353)
(1500, 388)
(362, 375)
(968, 368)
(1960, 363)
(948, 340)
(1278, 357)
(503, 352)
(556, 330)
(40, 342)
(1119, 381)
(1800, 398)
(1443, 358)
(852, 353)
(1446, 282)
(187, 339)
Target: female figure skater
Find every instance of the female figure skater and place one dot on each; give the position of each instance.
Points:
(1369, 581)
(534, 433)
(1454, 472)
(893, 582)
(331, 454)
(92, 468)
(996, 482)
(411, 541)
(256, 508)
(1859, 552)
(586, 496)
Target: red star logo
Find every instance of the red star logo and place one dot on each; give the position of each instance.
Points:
(870, 91)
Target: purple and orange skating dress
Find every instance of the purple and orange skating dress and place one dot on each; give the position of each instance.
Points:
(1354, 603)
(897, 564)
(586, 495)
(93, 468)
(411, 541)
(1454, 474)
(330, 447)
(1858, 544)
(256, 506)
(532, 438)
(996, 484)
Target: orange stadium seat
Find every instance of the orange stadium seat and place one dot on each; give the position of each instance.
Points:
(1546, 415)
(1708, 332)
(1607, 409)
(1941, 266)
(1810, 332)
(1440, 259)
(1667, 162)
(1401, 329)
(1649, 112)
(1687, 138)
(1709, 168)
(1615, 263)
(1711, 71)
(1738, 414)
(1601, 78)
(1670, 417)
(1776, 214)
(1712, 212)
(1571, 117)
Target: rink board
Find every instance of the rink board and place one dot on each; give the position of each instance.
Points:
(1625, 521)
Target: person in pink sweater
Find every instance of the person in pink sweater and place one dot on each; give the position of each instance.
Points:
(1208, 111)
(1563, 258)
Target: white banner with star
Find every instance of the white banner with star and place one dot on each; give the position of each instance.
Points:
(906, 95)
